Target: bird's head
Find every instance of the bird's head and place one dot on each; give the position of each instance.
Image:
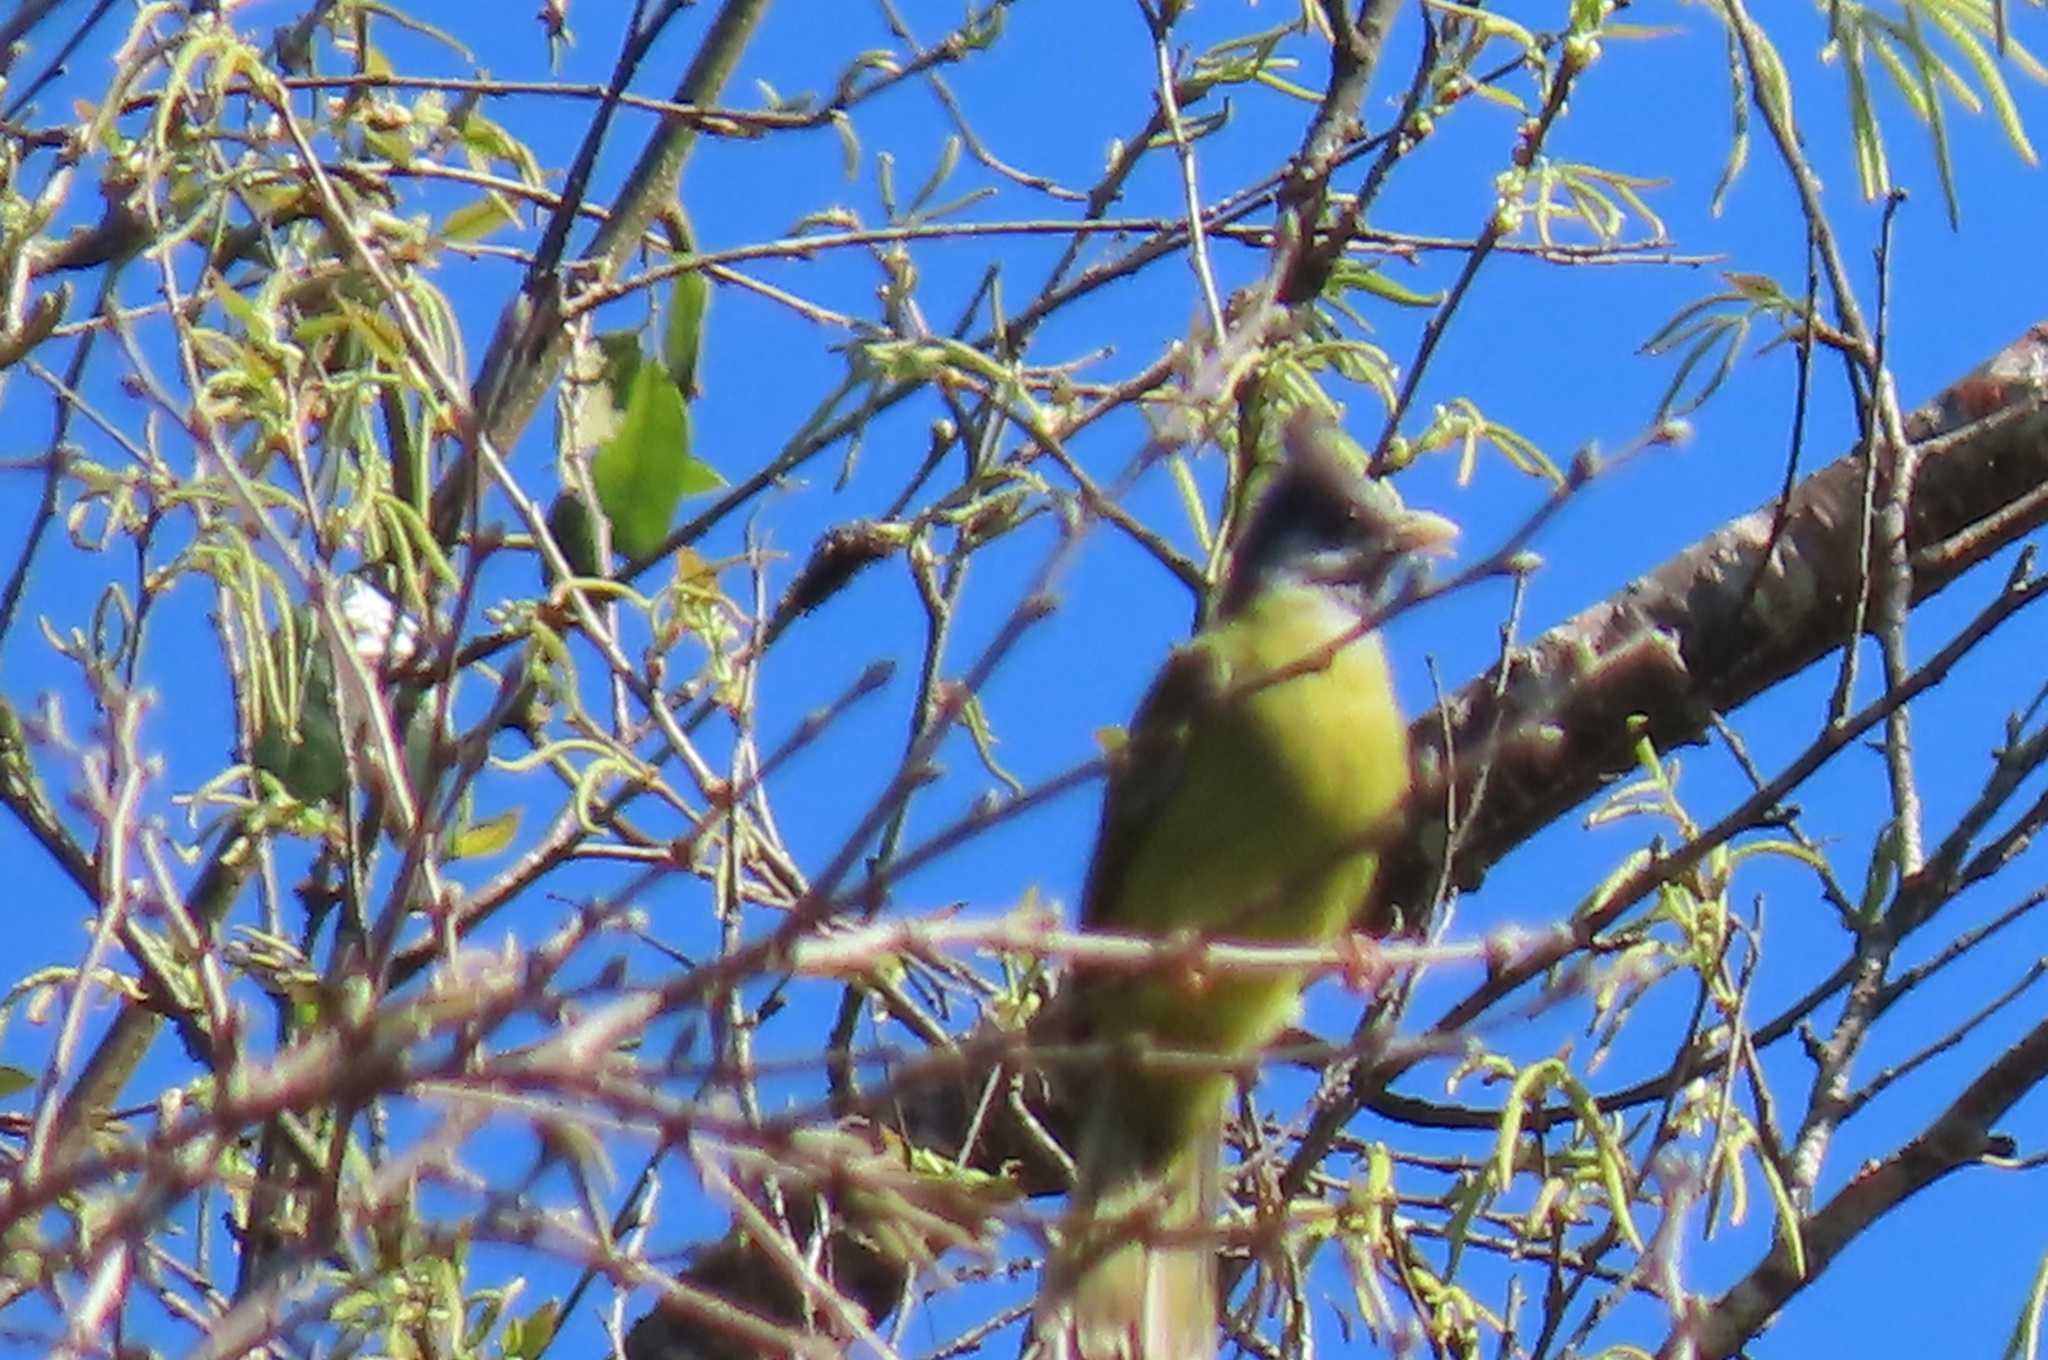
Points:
(1320, 521)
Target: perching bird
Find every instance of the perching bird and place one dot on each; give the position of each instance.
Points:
(1263, 776)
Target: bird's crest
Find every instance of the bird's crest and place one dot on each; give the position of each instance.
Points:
(1321, 520)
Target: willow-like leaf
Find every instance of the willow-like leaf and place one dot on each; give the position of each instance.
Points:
(2025, 1343)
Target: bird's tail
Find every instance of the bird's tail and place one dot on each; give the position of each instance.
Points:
(1134, 1277)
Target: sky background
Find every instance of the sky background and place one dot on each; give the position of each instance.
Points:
(1550, 350)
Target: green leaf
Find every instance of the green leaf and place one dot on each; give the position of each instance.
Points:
(528, 1337)
(475, 221)
(299, 741)
(645, 468)
(1468, 1196)
(575, 534)
(1738, 140)
(685, 338)
(2025, 1343)
(975, 719)
(43, 315)
(1789, 1231)
(1490, 25)
(13, 1081)
(486, 837)
(1374, 281)
(1884, 871)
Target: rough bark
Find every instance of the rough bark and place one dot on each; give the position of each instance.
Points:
(1719, 623)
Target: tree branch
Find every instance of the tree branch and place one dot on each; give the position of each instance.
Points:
(1717, 624)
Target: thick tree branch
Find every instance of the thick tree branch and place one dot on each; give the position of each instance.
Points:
(1717, 625)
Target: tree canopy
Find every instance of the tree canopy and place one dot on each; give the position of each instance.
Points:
(568, 582)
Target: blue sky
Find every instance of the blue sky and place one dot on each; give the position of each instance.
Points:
(1547, 349)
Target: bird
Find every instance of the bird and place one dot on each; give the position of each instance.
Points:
(1262, 781)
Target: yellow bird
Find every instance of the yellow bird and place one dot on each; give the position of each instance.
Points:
(1265, 773)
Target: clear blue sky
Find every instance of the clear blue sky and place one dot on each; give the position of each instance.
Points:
(1547, 349)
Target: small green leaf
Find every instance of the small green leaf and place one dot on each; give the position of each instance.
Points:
(975, 719)
(685, 339)
(43, 315)
(303, 747)
(575, 533)
(486, 837)
(2025, 1343)
(645, 468)
(1886, 866)
(475, 221)
(528, 1337)
(1469, 1195)
(1789, 1231)
(1376, 283)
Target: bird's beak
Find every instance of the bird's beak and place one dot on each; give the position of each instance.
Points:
(1418, 531)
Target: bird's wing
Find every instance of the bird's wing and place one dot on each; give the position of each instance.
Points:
(1147, 771)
